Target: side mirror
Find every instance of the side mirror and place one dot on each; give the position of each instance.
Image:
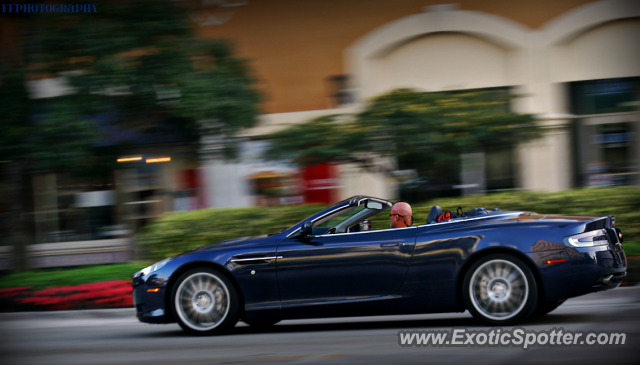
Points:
(369, 204)
(305, 230)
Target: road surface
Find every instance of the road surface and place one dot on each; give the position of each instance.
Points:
(115, 337)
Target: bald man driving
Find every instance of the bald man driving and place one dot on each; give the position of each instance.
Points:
(401, 215)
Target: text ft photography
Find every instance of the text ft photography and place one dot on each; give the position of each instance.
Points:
(49, 8)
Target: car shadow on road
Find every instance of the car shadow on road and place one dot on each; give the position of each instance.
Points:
(555, 319)
(400, 324)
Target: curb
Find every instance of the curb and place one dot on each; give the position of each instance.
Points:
(112, 313)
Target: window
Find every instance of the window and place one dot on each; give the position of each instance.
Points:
(615, 164)
(500, 169)
(338, 91)
(604, 96)
(71, 209)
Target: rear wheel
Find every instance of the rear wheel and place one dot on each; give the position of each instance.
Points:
(500, 290)
(204, 302)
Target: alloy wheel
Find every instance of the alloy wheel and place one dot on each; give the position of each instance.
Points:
(499, 289)
(202, 301)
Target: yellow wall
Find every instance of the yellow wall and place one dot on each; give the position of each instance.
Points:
(294, 45)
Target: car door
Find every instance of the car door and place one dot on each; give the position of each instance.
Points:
(334, 267)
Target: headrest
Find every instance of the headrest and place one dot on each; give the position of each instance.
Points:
(434, 213)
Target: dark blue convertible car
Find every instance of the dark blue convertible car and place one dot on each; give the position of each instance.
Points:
(501, 266)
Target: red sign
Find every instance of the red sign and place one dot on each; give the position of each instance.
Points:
(320, 183)
(190, 182)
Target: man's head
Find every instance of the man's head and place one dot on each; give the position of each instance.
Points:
(400, 215)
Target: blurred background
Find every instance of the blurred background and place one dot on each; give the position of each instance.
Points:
(112, 118)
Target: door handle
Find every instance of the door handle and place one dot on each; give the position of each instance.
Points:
(391, 244)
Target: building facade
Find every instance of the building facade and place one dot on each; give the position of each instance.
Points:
(576, 63)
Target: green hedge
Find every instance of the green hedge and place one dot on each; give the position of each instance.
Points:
(63, 276)
(178, 232)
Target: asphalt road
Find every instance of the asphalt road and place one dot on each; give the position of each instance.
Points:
(115, 337)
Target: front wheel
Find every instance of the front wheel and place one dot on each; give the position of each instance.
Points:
(500, 290)
(204, 302)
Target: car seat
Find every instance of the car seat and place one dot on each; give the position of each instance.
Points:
(434, 213)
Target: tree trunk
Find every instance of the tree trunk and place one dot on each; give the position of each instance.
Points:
(18, 216)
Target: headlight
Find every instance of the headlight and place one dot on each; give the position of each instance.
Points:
(589, 239)
(149, 269)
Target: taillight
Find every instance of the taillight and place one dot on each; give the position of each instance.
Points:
(589, 239)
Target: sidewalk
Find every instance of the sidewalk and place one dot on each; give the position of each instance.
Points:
(112, 313)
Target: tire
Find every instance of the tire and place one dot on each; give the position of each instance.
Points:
(204, 302)
(547, 307)
(500, 290)
(261, 324)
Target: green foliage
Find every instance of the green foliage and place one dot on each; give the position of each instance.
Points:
(632, 249)
(60, 140)
(14, 101)
(56, 138)
(142, 65)
(623, 202)
(329, 138)
(405, 121)
(425, 131)
(178, 232)
(181, 231)
(47, 278)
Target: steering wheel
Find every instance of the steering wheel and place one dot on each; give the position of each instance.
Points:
(332, 230)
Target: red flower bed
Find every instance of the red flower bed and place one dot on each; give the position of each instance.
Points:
(14, 291)
(105, 294)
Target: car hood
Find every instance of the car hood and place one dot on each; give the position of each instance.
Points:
(243, 241)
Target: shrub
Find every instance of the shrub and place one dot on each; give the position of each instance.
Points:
(178, 232)
(69, 276)
(623, 202)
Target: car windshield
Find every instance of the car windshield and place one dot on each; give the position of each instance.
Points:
(348, 216)
(333, 220)
(308, 218)
(346, 219)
